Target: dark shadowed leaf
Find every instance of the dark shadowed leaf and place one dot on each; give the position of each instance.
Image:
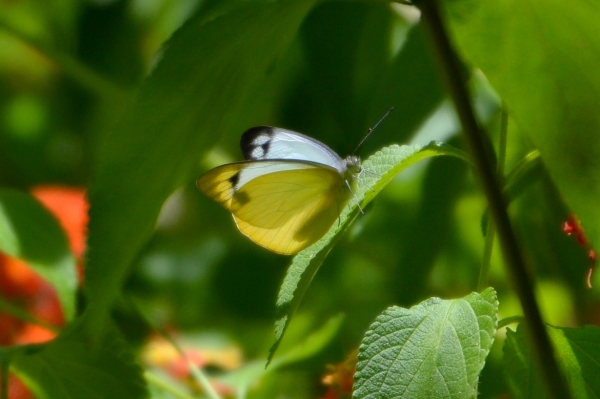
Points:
(207, 73)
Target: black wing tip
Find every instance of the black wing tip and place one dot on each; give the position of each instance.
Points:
(247, 141)
(249, 135)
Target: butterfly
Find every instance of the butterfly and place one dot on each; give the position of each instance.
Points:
(288, 192)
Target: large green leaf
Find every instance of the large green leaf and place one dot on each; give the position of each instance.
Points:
(380, 169)
(70, 368)
(206, 75)
(433, 350)
(578, 353)
(542, 58)
(28, 231)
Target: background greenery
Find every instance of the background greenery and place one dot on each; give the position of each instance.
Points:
(134, 99)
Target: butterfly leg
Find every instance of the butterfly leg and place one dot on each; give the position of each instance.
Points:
(373, 174)
(354, 196)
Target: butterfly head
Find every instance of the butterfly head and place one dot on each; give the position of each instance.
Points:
(353, 165)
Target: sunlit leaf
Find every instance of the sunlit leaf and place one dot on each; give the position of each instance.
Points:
(433, 350)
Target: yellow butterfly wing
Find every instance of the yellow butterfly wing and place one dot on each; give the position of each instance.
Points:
(285, 210)
(219, 183)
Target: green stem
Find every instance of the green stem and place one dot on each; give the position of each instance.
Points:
(555, 384)
(490, 234)
(165, 386)
(502, 143)
(195, 371)
(488, 246)
(201, 379)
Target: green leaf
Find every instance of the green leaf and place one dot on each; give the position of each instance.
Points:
(70, 368)
(380, 169)
(542, 58)
(433, 350)
(578, 353)
(28, 231)
(206, 76)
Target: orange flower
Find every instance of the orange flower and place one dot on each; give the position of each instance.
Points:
(341, 378)
(70, 207)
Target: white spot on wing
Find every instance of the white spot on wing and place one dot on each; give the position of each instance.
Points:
(258, 153)
(261, 139)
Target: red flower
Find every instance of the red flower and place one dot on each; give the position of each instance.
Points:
(27, 290)
(573, 226)
(341, 378)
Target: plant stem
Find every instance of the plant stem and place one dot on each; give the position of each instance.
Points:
(540, 342)
(202, 380)
(486, 263)
(490, 233)
(166, 386)
(502, 143)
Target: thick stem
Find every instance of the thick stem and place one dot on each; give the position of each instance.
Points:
(517, 270)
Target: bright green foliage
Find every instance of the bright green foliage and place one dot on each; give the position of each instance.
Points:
(379, 170)
(578, 351)
(433, 350)
(30, 233)
(70, 367)
(539, 56)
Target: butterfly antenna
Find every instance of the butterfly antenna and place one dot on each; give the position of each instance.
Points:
(373, 128)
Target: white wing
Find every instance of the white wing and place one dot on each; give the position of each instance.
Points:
(266, 142)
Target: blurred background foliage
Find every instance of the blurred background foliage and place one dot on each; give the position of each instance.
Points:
(68, 73)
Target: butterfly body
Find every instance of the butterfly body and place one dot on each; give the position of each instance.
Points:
(288, 192)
